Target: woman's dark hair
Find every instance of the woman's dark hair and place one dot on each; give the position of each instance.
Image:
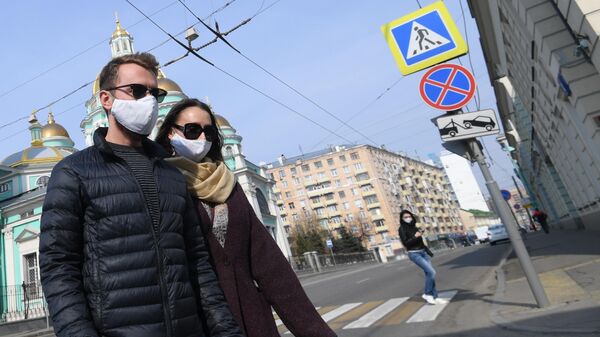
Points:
(162, 136)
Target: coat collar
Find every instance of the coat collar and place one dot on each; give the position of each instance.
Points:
(152, 149)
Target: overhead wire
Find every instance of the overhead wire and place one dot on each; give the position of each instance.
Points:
(478, 101)
(193, 52)
(220, 37)
(90, 82)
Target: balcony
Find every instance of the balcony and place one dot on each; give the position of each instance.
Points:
(361, 170)
(331, 202)
(279, 202)
(368, 193)
(334, 213)
(317, 205)
(322, 216)
(373, 205)
(377, 217)
(381, 229)
(319, 192)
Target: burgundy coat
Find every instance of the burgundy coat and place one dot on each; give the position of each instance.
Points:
(256, 276)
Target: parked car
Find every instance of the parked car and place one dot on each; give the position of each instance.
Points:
(497, 233)
(482, 233)
(480, 121)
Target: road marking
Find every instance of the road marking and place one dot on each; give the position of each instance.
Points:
(353, 314)
(376, 314)
(560, 287)
(401, 314)
(430, 312)
(339, 311)
(361, 281)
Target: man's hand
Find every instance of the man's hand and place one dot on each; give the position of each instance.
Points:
(418, 235)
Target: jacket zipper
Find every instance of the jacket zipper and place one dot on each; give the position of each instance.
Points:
(161, 280)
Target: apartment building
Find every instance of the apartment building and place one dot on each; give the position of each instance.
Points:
(364, 189)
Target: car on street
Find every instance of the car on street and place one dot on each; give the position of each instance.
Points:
(497, 233)
(480, 121)
(482, 233)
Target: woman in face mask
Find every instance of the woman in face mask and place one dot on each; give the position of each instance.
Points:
(412, 239)
(253, 272)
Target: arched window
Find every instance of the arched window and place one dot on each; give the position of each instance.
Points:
(42, 181)
(262, 202)
(228, 151)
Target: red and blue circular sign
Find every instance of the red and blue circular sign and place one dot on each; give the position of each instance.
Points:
(447, 87)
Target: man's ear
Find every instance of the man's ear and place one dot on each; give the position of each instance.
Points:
(106, 99)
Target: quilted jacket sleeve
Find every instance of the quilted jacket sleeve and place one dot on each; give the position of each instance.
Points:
(280, 285)
(61, 255)
(215, 310)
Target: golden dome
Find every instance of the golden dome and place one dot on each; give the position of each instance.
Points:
(52, 129)
(119, 32)
(168, 85)
(222, 122)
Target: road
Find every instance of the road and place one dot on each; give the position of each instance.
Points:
(384, 299)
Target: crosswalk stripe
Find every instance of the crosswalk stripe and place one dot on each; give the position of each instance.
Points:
(353, 314)
(400, 315)
(376, 314)
(430, 312)
(339, 311)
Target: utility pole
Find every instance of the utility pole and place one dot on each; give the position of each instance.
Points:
(511, 227)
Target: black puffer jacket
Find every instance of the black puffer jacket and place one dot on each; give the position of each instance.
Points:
(105, 270)
(407, 233)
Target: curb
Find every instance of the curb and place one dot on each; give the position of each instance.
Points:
(497, 318)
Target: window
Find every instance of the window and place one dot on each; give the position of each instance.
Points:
(288, 194)
(305, 168)
(324, 223)
(334, 173)
(362, 176)
(42, 181)
(367, 187)
(371, 239)
(350, 217)
(347, 169)
(293, 170)
(26, 214)
(362, 214)
(284, 184)
(278, 196)
(342, 194)
(349, 180)
(308, 178)
(354, 156)
(338, 183)
(366, 226)
(358, 203)
(332, 208)
(330, 161)
(4, 187)
(31, 275)
(291, 205)
(318, 164)
(295, 217)
(320, 211)
(355, 191)
(302, 203)
(346, 205)
(329, 196)
(354, 229)
(262, 202)
(343, 158)
(281, 174)
(336, 219)
(281, 208)
(300, 192)
(358, 166)
(379, 223)
(371, 199)
(316, 200)
(321, 175)
(296, 181)
(375, 211)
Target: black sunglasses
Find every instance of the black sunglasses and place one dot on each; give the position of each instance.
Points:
(193, 131)
(139, 91)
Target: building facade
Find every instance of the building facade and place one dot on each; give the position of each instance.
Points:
(23, 179)
(364, 189)
(463, 182)
(543, 62)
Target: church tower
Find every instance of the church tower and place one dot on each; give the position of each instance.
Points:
(121, 43)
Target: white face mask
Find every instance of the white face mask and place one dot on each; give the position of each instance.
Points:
(407, 219)
(192, 149)
(138, 116)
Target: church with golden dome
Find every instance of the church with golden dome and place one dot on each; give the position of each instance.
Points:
(25, 173)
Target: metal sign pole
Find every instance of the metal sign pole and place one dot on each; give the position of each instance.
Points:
(511, 226)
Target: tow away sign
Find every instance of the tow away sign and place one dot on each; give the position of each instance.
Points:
(467, 125)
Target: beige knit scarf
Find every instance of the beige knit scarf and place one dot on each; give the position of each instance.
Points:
(207, 181)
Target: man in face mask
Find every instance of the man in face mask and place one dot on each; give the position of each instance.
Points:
(121, 248)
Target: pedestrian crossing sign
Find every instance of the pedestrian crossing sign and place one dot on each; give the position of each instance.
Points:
(424, 38)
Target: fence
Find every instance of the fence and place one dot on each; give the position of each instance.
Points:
(312, 262)
(21, 302)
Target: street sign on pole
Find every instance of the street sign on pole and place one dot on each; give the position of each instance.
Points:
(468, 125)
(447, 87)
(424, 38)
(329, 243)
(506, 195)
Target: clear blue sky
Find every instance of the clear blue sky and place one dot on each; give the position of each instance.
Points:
(332, 51)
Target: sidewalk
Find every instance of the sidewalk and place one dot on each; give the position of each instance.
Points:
(568, 264)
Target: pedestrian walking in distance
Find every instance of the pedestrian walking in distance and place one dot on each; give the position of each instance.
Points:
(121, 248)
(542, 219)
(254, 273)
(412, 239)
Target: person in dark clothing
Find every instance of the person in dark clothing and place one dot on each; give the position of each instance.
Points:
(121, 251)
(412, 239)
(251, 268)
(542, 219)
